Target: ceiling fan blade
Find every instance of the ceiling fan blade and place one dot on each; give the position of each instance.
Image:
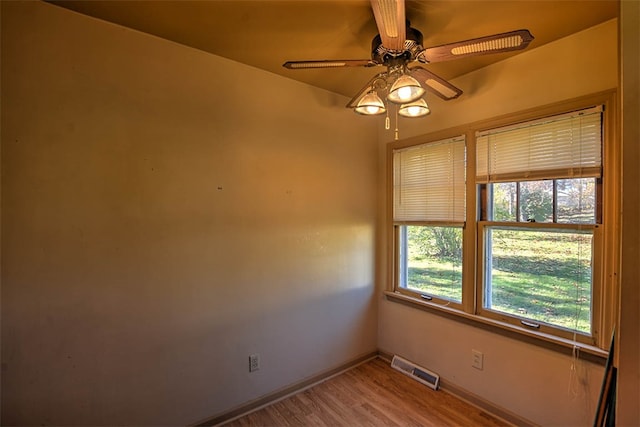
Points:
(390, 18)
(366, 89)
(435, 84)
(296, 65)
(504, 42)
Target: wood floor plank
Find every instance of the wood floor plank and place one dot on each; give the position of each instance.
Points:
(371, 394)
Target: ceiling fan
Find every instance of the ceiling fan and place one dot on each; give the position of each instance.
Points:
(396, 46)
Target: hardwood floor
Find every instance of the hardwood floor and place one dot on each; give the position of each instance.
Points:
(371, 394)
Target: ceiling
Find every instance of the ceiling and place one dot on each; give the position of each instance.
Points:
(264, 33)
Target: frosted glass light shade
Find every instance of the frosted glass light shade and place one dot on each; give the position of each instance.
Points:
(370, 105)
(417, 108)
(405, 89)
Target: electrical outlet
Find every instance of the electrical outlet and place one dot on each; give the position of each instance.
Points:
(254, 362)
(477, 359)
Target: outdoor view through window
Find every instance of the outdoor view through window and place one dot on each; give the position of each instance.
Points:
(538, 273)
(433, 260)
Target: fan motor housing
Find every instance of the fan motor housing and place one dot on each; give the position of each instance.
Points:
(412, 46)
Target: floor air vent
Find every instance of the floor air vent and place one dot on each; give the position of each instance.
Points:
(416, 372)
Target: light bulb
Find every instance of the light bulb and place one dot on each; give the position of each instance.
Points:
(371, 109)
(413, 110)
(404, 93)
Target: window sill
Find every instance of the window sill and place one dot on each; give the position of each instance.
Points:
(591, 353)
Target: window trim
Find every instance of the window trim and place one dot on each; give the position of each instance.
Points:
(605, 294)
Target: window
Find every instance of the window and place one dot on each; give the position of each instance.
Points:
(539, 255)
(539, 236)
(428, 214)
(540, 275)
(431, 260)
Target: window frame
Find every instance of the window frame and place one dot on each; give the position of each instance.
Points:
(606, 235)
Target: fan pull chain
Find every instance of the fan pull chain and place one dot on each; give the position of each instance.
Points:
(387, 122)
(396, 135)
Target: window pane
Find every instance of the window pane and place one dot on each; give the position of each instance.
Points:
(542, 275)
(505, 198)
(431, 260)
(576, 200)
(536, 201)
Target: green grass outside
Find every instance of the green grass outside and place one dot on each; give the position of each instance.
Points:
(436, 276)
(537, 275)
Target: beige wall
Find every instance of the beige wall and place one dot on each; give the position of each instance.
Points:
(522, 378)
(629, 332)
(161, 223)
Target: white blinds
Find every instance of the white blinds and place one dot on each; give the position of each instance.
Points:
(429, 182)
(564, 146)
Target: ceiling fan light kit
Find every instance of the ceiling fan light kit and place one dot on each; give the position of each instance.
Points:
(370, 105)
(396, 46)
(405, 89)
(417, 108)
